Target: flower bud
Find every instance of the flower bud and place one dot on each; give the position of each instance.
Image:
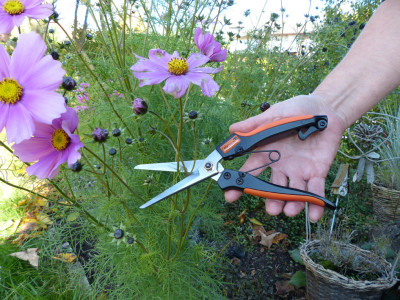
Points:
(100, 135)
(116, 132)
(139, 106)
(76, 167)
(68, 83)
(55, 55)
(264, 106)
(112, 151)
(193, 114)
(118, 234)
(130, 240)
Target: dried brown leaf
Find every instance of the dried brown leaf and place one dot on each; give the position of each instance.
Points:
(30, 255)
(283, 288)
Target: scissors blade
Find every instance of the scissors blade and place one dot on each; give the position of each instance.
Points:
(192, 179)
(190, 165)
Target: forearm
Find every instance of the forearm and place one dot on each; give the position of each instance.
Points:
(370, 70)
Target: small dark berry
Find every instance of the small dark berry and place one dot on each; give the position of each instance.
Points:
(130, 240)
(152, 129)
(76, 167)
(141, 139)
(98, 166)
(264, 106)
(128, 141)
(51, 30)
(139, 106)
(118, 234)
(207, 141)
(67, 43)
(352, 23)
(68, 83)
(193, 114)
(112, 151)
(100, 135)
(324, 49)
(67, 57)
(362, 26)
(116, 132)
(89, 36)
(55, 55)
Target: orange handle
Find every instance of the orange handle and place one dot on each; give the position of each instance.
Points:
(274, 124)
(284, 197)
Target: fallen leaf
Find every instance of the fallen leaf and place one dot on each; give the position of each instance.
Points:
(298, 279)
(28, 255)
(258, 230)
(253, 272)
(66, 257)
(73, 216)
(20, 239)
(242, 216)
(242, 274)
(5, 225)
(279, 237)
(28, 227)
(44, 218)
(16, 224)
(22, 202)
(268, 240)
(255, 221)
(235, 261)
(283, 288)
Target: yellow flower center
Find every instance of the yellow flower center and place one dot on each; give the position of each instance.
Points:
(178, 66)
(13, 7)
(10, 91)
(60, 140)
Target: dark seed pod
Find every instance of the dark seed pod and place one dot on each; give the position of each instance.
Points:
(112, 151)
(55, 55)
(193, 114)
(89, 36)
(54, 16)
(207, 141)
(128, 141)
(324, 49)
(264, 106)
(76, 167)
(98, 166)
(68, 83)
(100, 135)
(118, 234)
(130, 240)
(67, 57)
(67, 43)
(51, 30)
(116, 132)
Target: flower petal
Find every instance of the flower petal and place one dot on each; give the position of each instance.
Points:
(70, 120)
(4, 108)
(219, 55)
(19, 125)
(6, 24)
(150, 78)
(196, 59)
(208, 70)
(207, 84)
(43, 130)
(160, 57)
(18, 19)
(30, 49)
(4, 63)
(33, 149)
(45, 106)
(47, 167)
(176, 86)
(31, 3)
(46, 74)
(39, 12)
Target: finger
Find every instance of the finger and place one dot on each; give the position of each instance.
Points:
(293, 208)
(316, 185)
(254, 122)
(274, 207)
(232, 195)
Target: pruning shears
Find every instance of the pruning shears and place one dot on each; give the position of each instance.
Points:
(239, 144)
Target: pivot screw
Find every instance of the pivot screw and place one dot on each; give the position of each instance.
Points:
(242, 174)
(227, 175)
(208, 166)
(239, 181)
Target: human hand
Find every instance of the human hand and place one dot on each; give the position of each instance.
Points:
(303, 164)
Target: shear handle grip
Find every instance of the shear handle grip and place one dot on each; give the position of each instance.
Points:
(241, 142)
(252, 185)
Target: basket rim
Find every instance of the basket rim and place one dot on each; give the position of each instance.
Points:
(336, 278)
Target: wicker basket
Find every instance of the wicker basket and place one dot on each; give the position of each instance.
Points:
(386, 203)
(327, 284)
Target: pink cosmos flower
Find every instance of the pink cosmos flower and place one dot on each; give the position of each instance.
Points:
(51, 145)
(27, 88)
(209, 47)
(13, 12)
(178, 72)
